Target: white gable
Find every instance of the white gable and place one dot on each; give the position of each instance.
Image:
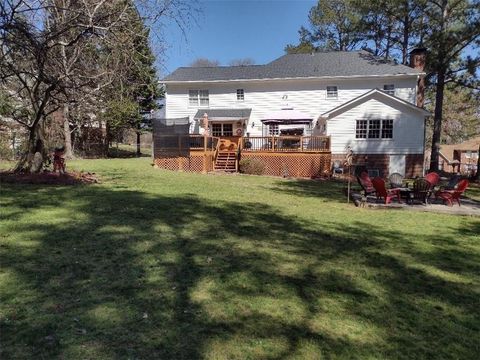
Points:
(408, 125)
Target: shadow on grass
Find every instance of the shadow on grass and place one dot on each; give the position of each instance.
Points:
(124, 274)
(327, 190)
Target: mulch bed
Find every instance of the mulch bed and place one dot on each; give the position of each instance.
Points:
(49, 178)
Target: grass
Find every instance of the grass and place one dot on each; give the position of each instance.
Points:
(152, 264)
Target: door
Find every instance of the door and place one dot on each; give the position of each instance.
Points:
(397, 164)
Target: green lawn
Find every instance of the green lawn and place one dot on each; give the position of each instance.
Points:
(152, 264)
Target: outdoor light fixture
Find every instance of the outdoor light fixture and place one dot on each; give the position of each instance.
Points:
(253, 124)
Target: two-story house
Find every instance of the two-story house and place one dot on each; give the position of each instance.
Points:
(358, 101)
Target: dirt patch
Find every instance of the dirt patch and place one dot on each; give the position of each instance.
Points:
(49, 178)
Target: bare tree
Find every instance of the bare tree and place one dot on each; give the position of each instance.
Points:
(54, 51)
(242, 62)
(204, 62)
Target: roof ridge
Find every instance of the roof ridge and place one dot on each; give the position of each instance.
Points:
(218, 66)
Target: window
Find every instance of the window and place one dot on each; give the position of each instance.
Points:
(198, 97)
(374, 129)
(222, 129)
(240, 95)
(387, 129)
(227, 130)
(273, 130)
(389, 89)
(361, 131)
(332, 92)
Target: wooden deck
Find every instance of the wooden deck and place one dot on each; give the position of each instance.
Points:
(299, 156)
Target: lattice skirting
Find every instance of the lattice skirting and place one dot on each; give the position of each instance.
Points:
(295, 165)
(192, 163)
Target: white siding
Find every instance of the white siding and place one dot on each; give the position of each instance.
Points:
(408, 128)
(308, 96)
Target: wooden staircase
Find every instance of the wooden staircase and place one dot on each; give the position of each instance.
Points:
(226, 161)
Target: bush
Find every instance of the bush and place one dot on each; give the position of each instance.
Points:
(252, 166)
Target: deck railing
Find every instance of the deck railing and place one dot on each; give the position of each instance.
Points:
(181, 143)
(286, 144)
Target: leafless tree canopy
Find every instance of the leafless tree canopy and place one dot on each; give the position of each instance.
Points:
(242, 62)
(204, 62)
(56, 52)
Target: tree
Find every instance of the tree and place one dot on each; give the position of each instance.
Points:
(477, 175)
(242, 62)
(136, 80)
(305, 45)
(54, 53)
(461, 116)
(452, 27)
(335, 25)
(204, 62)
(29, 61)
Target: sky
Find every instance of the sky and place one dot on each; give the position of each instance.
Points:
(231, 29)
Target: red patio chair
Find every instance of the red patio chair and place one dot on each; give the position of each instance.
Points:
(366, 183)
(433, 178)
(449, 196)
(383, 192)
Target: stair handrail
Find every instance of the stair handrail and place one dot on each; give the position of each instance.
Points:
(215, 153)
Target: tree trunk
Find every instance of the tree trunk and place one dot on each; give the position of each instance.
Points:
(106, 144)
(67, 133)
(477, 175)
(437, 121)
(139, 153)
(35, 144)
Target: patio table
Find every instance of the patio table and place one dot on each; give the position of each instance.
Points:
(406, 193)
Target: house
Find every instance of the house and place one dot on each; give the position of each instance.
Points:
(298, 114)
(460, 158)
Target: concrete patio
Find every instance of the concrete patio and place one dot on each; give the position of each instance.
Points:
(469, 207)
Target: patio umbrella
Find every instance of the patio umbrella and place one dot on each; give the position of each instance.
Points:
(287, 116)
(205, 124)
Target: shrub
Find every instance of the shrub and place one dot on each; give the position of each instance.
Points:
(252, 166)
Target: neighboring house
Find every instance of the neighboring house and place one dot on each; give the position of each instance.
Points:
(291, 105)
(460, 158)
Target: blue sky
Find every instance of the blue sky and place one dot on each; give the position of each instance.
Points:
(231, 29)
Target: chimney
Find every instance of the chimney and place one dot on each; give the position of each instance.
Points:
(418, 58)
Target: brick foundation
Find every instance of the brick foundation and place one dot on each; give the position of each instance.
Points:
(413, 163)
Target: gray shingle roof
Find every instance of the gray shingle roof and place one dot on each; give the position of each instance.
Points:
(223, 113)
(320, 64)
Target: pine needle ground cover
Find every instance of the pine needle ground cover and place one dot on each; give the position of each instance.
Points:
(151, 264)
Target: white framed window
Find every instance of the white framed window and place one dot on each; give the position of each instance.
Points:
(273, 130)
(389, 89)
(220, 129)
(332, 92)
(240, 95)
(374, 129)
(198, 97)
(361, 129)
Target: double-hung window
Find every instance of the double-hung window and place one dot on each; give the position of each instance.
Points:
(198, 98)
(222, 129)
(273, 130)
(374, 129)
(240, 95)
(389, 89)
(332, 92)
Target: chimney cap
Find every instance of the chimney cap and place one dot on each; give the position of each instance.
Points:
(418, 50)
